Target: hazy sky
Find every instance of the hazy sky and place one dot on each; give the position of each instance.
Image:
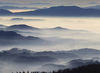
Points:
(56, 2)
(50, 1)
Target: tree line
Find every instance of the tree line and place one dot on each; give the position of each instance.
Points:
(93, 68)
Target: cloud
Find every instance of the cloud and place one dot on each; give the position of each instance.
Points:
(51, 67)
(41, 3)
(69, 4)
(17, 7)
(27, 19)
(4, 3)
(22, 59)
(93, 3)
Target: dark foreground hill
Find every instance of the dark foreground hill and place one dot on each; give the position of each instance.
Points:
(93, 68)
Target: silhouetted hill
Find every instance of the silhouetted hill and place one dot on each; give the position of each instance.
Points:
(59, 28)
(56, 11)
(16, 19)
(46, 61)
(18, 51)
(79, 62)
(11, 37)
(28, 54)
(24, 56)
(62, 11)
(21, 27)
(93, 68)
(5, 12)
(57, 55)
(86, 52)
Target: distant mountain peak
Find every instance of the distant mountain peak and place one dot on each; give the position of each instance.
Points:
(65, 7)
(18, 50)
(60, 28)
(4, 11)
(11, 38)
(56, 11)
(21, 27)
(9, 34)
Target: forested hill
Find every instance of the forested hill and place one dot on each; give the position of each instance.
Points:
(93, 68)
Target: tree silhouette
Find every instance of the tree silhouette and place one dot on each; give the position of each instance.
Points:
(93, 68)
(27, 71)
(23, 71)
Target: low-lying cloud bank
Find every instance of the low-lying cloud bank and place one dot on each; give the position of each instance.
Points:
(22, 59)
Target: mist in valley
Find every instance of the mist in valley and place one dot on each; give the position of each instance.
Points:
(47, 43)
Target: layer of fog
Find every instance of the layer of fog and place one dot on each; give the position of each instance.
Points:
(77, 23)
(57, 41)
(15, 59)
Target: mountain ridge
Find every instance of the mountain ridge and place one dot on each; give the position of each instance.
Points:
(21, 27)
(57, 11)
(11, 37)
(62, 11)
